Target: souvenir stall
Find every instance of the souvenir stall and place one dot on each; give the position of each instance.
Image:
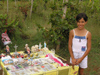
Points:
(35, 61)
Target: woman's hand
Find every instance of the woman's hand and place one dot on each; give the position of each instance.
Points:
(74, 61)
(78, 61)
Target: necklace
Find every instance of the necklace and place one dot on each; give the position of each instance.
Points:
(79, 40)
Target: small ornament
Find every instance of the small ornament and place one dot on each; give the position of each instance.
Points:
(7, 50)
(40, 45)
(79, 40)
(44, 44)
(16, 50)
(26, 45)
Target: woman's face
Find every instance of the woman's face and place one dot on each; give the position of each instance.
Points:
(81, 23)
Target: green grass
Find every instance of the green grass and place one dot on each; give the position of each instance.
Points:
(41, 16)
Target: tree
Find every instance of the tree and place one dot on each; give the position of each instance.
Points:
(5, 24)
(7, 6)
(59, 31)
(31, 8)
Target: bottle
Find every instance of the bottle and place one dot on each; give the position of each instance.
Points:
(44, 44)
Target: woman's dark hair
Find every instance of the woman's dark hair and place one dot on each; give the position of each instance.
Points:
(80, 16)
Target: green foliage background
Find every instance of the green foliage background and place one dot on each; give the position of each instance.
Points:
(48, 15)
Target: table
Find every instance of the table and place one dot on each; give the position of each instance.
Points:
(65, 70)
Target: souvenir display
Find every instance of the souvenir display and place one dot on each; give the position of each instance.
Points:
(33, 62)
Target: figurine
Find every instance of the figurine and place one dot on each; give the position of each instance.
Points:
(7, 50)
(28, 51)
(33, 49)
(26, 46)
(40, 46)
(44, 44)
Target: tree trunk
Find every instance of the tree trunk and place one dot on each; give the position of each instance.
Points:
(80, 0)
(65, 9)
(15, 2)
(63, 17)
(58, 45)
(63, 1)
(92, 4)
(7, 7)
(31, 8)
(3, 1)
(1, 43)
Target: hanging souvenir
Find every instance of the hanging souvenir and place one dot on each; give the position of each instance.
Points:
(5, 38)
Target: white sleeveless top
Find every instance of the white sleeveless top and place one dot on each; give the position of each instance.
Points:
(79, 43)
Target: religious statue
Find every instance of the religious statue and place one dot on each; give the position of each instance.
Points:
(26, 46)
(7, 50)
(15, 50)
(28, 51)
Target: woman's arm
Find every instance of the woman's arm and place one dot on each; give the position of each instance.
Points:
(70, 47)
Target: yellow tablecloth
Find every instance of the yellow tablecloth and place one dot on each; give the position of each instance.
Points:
(65, 70)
